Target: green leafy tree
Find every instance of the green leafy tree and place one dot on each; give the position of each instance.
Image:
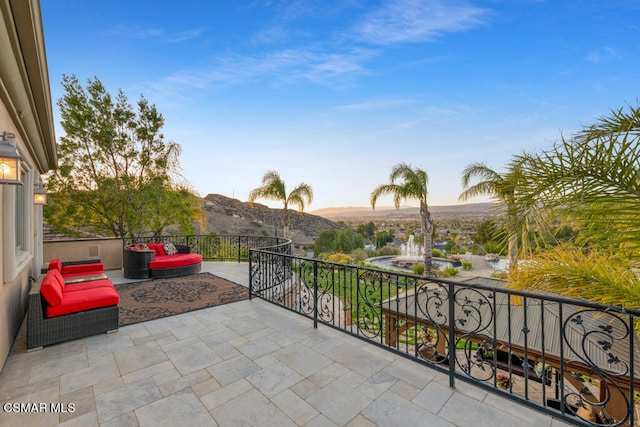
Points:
(117, 175)
(368, 230)
(347, 241)
(337, 241)
(273, 188)
(324, 242)
(383, 237)
(409, 183)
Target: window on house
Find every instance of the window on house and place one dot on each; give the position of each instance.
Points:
(21, 214)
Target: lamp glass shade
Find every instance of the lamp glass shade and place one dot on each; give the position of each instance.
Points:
(40, 198)
(10, 164)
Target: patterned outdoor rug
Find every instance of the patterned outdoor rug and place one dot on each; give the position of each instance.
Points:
(152, 299)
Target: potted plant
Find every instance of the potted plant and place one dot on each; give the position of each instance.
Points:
(503, 381)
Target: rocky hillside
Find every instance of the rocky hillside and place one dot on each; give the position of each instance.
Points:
(231, 216)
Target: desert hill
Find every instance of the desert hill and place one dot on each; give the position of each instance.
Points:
(226, 215)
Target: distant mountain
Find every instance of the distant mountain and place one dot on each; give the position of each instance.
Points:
(358, 214)
(231, 216)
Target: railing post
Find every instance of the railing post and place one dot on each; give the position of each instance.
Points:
(452, 335)
(632, 393)
(315, 294)
(239, 248)
(250, 277)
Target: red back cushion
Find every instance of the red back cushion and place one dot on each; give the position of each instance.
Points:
(51, 290)
(57, 276)
(55, 264)
(152, 246)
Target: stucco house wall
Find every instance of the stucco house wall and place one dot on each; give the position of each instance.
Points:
(26, 111)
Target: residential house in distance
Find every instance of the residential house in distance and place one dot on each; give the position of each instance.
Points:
(26, 116)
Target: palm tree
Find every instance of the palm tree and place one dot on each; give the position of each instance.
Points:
(273, 188)
(412, 185)
(591, 181)
(500, 187)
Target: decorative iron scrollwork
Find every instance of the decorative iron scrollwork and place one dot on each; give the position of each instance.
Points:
(601, 364)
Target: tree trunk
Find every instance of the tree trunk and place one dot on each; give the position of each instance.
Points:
(426, 226)
(513, 249)
(285, 223)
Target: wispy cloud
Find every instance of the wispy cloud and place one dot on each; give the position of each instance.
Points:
(132, 32)
(376, 104)
(285, 66)
(184, 36)
(331, 61)
(603, 54)
(408, 21)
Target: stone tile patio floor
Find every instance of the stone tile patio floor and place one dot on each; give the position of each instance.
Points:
(242, 364)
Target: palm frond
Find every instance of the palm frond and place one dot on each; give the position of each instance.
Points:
(273, 188)
(299, 195)
(578, 273)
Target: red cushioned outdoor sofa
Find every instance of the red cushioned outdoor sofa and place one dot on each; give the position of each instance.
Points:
(153, 261)
(60, 311)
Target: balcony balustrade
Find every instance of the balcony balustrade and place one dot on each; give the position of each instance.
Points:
(572, 359)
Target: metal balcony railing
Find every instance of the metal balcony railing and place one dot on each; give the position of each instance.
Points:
(572, 359)
(222, 247)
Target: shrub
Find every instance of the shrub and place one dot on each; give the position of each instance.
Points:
(451, 271)
(500, 275)
(359, 255)
(440, 274)
(466, 266)
(437, 253)
(339, 258)
(492, 248)
(418, 269)
(386, 250)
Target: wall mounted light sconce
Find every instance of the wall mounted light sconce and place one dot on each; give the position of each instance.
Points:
(10, 161)
(39, 195)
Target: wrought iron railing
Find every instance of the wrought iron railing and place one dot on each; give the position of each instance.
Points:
(572, 359)
(222, 247)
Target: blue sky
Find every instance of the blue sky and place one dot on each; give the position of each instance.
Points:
(334, 93)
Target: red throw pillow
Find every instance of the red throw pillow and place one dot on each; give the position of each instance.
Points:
(160, 249)
(51, 290)
(152, 247)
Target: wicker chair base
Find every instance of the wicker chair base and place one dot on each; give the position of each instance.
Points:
(42, 331)
(136, 264)
(161, 273)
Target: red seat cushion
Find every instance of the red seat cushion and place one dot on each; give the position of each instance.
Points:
(73, 302)
(176, 260)
(83, 286)
(51, 290)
